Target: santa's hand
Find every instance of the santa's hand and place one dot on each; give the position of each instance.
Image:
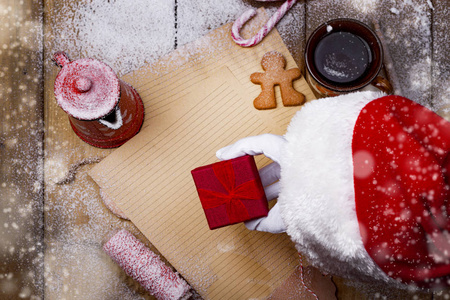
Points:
(272, 223)
(270, 145)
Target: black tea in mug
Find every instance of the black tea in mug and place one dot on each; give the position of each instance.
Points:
(344, 55)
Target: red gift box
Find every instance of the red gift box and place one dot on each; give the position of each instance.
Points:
(231, 191)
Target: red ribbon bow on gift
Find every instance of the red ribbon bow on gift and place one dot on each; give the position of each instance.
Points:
(236, 210)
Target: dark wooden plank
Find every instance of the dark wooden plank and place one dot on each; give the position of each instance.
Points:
(407, 31)
(21, 150)
(441, 74)
(440, 59)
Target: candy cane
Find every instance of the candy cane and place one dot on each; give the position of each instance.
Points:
(264, 30)
(146, 267)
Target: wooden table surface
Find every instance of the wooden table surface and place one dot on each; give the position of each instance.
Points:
(51, 235)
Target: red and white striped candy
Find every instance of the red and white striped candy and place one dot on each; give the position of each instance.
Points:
(237, 25)
(146, 267)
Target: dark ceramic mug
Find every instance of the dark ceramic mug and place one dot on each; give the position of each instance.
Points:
(342, 56)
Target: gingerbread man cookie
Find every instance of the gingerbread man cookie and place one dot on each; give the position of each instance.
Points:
(273, 63)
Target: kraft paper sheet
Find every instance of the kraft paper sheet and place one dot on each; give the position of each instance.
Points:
(197, 100)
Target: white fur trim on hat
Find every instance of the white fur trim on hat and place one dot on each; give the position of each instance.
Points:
(317, 199)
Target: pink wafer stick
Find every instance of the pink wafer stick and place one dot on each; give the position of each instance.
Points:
(146, 267)
(237, 25)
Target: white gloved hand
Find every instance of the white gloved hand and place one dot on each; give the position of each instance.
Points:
(270, 145)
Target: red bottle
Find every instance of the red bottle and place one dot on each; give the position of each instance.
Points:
(103, 110)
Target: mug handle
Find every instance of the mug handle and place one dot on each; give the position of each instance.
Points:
(383, 84)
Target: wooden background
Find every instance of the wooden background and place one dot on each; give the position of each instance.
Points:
(51, 234)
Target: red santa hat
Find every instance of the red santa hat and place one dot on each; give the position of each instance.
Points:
(365, 188)
(401, 163)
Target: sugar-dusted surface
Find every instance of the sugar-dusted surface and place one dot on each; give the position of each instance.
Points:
(126, 35)
(123, 34)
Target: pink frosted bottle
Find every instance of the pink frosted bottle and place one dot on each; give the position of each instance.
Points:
(103, 110)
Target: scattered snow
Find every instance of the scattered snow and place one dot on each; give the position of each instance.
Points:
(394, 11)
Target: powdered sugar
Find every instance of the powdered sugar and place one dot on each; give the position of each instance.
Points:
(81, 270)
(76, 223)
(394, 10)
(197, 18)
(123, 34)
